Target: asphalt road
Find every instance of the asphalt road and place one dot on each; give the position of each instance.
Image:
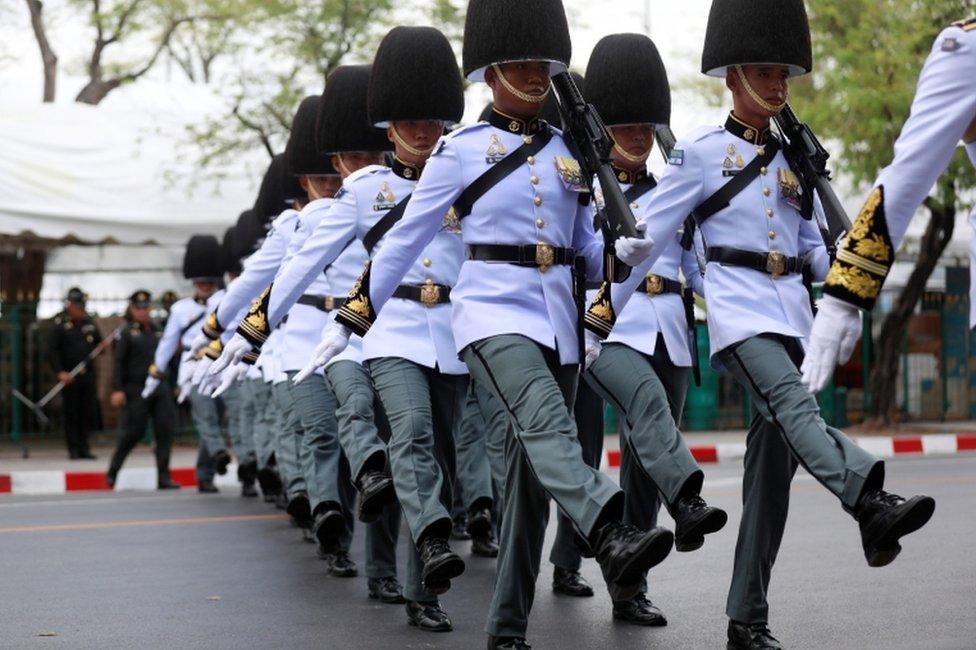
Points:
(189, 571)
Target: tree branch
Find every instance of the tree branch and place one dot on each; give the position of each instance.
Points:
(262, 133)
(48, 57)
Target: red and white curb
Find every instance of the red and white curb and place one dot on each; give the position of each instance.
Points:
(144, 478)
(882, 447)
(136, 478)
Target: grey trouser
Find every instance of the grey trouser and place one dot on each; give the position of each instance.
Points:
(544, 458)
(786, 431)
(240, 421)
(265, 415)
(423, 406)
(288, 440)
(363, 434)
(206, 420)
(474, 472)
(496, 423)
(588, 413)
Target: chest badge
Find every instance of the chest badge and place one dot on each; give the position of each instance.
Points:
(496, 150)
(385, 199)
(451, 223)
(789, 187)
(570, 173)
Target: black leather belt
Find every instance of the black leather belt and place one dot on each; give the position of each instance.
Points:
(773, 263)
(322, 303)
(429, 294)
(655, 285)
(540, 256)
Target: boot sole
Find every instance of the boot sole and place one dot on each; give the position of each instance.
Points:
(694, 538)
(886, 548)
(653, 551)
(442, 572)
(398, 600)
(370, 509)
(417, 625)
(626, 618)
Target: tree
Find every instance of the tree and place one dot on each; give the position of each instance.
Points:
(48, 58)
(868, 54)
(295, 44)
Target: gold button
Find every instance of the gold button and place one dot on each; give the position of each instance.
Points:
(540, 223)
(760, 151)
(530, 160)
(634, 205)
(527, 139)
(769, 212)
(763, 170)
(534, 180)
(537, 200)
(427, 261)
(767, 191)
(772, 234)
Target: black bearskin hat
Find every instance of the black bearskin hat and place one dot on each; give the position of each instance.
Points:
(249, 233)
(228, 251)
(202, 258)
(742, 32)
(343, 124)
(627, 82)
(415, 77)
(271, 202)
(301, 154)
(499, 31)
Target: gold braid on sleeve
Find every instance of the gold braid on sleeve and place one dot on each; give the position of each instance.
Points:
(357, 313)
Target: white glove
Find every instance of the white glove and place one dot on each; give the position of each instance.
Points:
(152, 383)
(209, 383)
(335, 338)
(199, 343)
(233, 352)
(836, 330)
(634, 250)
(183, 394)
(230, 376)
(592, 346)
(201, 370)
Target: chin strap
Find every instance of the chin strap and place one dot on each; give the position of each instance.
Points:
(642, 158)
(772, 108)
(342, 166)
(525, 97)
(413, 151)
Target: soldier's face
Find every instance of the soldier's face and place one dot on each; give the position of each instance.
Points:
(140, 314)
(636, 140)
(352, 161)
(527, 77)
(419, 135)
(321, 187)
(76, 310)
(204, 289)
(770, 82)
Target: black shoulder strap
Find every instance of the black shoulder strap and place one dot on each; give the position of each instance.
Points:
(498, 171)
(724, 195)
(193, 322)
(383, 226)
(640, 188)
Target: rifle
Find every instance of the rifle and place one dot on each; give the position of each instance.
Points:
(665, 140)
(809, 158)
(593, 143)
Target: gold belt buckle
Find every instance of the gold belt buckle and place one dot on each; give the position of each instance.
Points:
(776, 264)
(655, 284)
(430, 294)
(545, 256)
(329, 303)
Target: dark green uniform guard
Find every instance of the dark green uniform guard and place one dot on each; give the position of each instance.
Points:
(134, 352)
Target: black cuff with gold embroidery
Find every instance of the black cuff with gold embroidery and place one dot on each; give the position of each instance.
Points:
(254, 327)
(600, 317)
(155, 372)
(213, 350)
(250, 358)
(864, 257)
(211, 328)
(357, 314)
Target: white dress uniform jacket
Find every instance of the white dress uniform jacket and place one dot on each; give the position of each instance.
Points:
(185, 319)
(533, 205)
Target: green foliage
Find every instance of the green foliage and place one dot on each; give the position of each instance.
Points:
(867, 58)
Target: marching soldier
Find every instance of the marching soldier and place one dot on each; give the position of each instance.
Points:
(73, 337)
(134, 351)
(644, 363)
(202, 266)
(942, 114)
(519, 196)
(749, 207)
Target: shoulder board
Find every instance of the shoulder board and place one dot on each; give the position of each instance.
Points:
(365, 171)
(967, 25)
(284, 217)
(703, 132)
(470, 128)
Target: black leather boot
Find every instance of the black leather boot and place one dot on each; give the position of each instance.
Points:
(751, 636)
(626, 553)
(884, 518)
(693, 519)
(441, 564)
(428, 617)
(570, 583)
(376, 491)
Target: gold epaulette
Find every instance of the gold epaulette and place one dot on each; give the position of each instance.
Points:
(212, 329)
(358, 314)
(254, 327)
(967, 25)
(864, 258)
(214, 350)
(600, 317)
